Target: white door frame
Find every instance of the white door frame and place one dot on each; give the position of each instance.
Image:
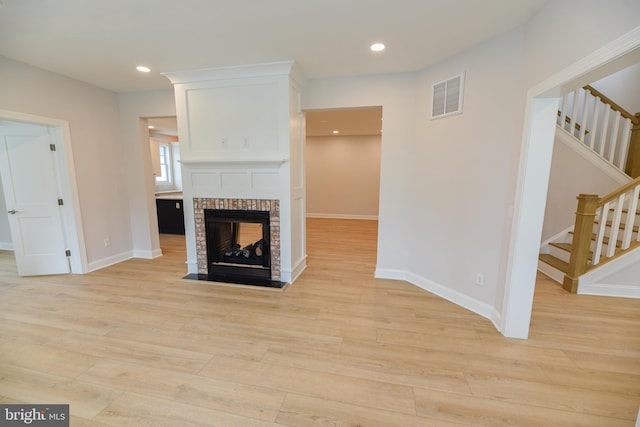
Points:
(71, 218)
(533, 174)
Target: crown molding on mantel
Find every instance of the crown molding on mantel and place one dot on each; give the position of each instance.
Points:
(234, 72)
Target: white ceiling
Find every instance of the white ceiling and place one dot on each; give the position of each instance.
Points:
(101, 41)
(348, 122)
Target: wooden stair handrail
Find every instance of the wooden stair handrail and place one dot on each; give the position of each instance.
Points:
(624, 113)
(615, 132)
(618, 192)
(585, 217)
(588, 206)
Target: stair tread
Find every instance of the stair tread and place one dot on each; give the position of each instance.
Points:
(605, 239)
(568, 248)
(621, 226)
(554, 262)
(564, 266)
(564, 246)
(625, 210)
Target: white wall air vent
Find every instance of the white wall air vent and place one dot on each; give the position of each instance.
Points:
(447, 97)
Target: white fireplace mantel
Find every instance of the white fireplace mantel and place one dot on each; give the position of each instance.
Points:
(234, 163)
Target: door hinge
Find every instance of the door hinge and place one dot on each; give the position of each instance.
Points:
(52, 147)
(68, 252)
(60, 202)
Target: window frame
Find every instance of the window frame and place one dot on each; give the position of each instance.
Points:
(165, 154)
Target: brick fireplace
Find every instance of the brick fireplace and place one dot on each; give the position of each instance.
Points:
(201, 204)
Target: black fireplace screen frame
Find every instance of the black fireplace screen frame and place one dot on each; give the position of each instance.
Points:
(221, 229)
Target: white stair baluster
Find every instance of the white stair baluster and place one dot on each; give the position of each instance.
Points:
(594, 122)
(574, 113)
(624, 148)
(613, 141)
(585, 113)
(563, 111)
(603, 134)
(604, 213)
(615, 226)
(631, 218)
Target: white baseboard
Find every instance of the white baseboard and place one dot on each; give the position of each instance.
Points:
(106, 262)
(6, 246)
(386, 273)
(297, 270)
(465, 301)
(496, 319)
(607, 290)
(455, 297)
(148, 254)
(342, 216)
(114, 259)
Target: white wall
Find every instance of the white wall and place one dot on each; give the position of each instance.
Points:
(571, 174)
(448, 187)
(94, 123)
(134, 109)
(343, 176)
(443, 197)
(396, 95)
(623, 88)
(458, 173)
(583, 26)
(176, 165)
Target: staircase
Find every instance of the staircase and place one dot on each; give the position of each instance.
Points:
(606, 229)
(555, 255)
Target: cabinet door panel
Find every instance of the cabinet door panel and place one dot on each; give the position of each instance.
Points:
(170, 216)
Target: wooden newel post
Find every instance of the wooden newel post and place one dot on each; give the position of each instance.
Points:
(632, 168)
(581, 245)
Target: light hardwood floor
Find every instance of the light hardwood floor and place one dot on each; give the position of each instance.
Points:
(135, 345)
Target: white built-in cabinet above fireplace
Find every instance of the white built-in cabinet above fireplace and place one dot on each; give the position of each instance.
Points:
(234, 115)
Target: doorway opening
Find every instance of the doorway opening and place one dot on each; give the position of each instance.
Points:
(342, 162)
(533, 175)
(342, 168)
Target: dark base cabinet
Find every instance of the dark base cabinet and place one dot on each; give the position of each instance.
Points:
(170, 216)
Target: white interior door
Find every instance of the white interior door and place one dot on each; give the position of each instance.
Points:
(29, 180)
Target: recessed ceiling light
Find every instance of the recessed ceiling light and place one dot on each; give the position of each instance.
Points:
(151, 127)
(336, 131)
(377, 47)
(143, 69)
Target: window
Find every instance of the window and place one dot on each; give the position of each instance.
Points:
(447, 97)
(165, 165)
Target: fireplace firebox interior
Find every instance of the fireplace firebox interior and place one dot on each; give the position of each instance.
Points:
(238, 244)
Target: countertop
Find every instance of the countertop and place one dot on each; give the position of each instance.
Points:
(169, 196)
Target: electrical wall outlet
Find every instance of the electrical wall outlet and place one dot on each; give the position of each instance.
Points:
(479, 279)
(107, 242)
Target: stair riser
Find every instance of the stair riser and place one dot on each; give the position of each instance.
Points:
(559, 253)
